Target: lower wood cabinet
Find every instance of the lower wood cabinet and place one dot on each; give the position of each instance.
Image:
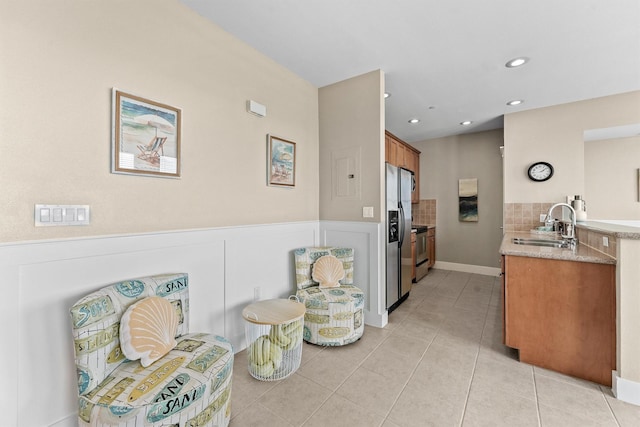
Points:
(561, 315)
(413, 256)
(431, 244)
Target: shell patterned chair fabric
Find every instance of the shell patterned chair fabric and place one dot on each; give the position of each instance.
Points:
(188, 386)
(334, 316)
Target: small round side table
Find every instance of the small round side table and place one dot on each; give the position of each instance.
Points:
(273, 330)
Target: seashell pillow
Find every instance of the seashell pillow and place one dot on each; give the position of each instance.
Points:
(148, 329)
(327, 270)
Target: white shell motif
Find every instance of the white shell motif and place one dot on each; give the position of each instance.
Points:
(148, 329)
(327, 270)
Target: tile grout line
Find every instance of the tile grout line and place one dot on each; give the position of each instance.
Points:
(609, 406)
(333, 392)
(475, 362)
(535, 393)
(386, 417)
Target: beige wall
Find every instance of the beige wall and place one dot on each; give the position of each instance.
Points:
(60, 61)
(352, 143)
(555, 134)
(443, 161)
(611, 178)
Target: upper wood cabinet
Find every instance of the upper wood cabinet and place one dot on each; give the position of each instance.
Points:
(399, 153)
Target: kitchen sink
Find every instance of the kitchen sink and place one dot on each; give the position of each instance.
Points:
(551, 243)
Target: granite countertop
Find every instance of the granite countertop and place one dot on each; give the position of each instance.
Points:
(581, 253)
(618, 230)
(429, 226)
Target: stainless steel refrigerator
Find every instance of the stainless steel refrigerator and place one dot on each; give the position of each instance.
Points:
(399, 185)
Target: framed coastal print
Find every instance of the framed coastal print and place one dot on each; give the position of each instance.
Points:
(145, 137)
(468, 200)
(281, 165)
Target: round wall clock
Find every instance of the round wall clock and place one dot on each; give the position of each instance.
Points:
(540, 171)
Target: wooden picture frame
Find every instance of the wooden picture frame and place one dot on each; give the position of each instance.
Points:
(281, 162)
(145, 136)
(468, 200)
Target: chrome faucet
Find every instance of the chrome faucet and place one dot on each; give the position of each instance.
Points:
(570, 230)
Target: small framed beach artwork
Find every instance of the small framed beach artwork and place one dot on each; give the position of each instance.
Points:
(281, 167)
(145, 137)
(468, 200)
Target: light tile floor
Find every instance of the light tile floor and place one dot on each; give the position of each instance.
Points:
(439, 362)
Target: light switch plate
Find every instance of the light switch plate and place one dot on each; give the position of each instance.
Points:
(367, 212)
(60, 215)
(605, 241)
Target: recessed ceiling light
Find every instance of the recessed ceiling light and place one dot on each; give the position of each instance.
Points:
(466, 123)
(386, 95)
(516, 62)
(515, 102)
(414, 121)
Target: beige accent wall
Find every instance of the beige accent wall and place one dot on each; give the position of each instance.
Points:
(627, 313)
(443, 161)
(60, 61)
(352, 143)
(555, 134)
(611, 178)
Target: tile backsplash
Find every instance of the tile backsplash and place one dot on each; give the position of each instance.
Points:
(424, 212)
(524, 216)
(594, 239)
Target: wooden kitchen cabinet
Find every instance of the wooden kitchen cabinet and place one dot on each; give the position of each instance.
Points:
(561, 315)
(399, 153)
(502, 299)
(413, 256)
(431, 244)
(391, 150)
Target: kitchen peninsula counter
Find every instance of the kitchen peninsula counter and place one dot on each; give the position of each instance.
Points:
(559, 307)
(623, 296)
(620, 231)
(582, 252)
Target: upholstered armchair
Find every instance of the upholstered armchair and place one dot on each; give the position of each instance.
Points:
(181, 378)
(324, 277)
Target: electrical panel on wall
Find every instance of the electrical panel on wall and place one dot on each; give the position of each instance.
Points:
(345, 168)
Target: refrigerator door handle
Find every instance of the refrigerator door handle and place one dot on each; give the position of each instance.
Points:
(402, 224)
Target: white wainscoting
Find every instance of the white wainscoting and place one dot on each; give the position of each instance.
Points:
(367, 240)
(41, 280)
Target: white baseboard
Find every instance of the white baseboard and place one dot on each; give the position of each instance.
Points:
(625, 390)
(467, 268)
(69, 421)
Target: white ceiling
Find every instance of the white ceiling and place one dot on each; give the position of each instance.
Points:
(448, 54)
